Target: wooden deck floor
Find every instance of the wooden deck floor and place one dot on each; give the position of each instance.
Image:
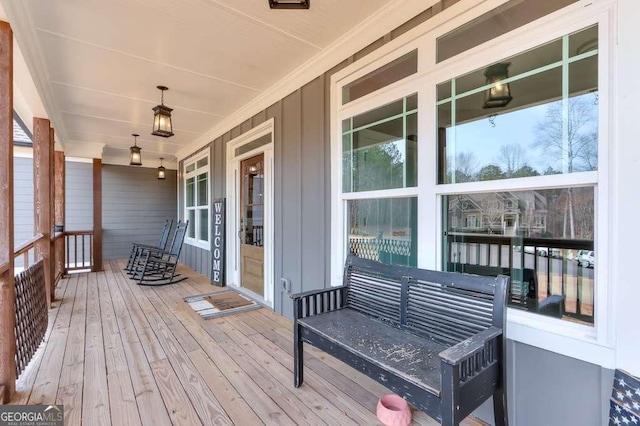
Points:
(117, 353)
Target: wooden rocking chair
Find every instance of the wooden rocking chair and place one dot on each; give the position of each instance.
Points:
(138, 248)
(159, 268)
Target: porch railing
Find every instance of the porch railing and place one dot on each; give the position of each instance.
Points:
(25, 254)
(554, 262)
(79, 250)
(31, 314)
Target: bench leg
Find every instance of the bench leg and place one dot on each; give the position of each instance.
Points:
(449, 394)
(500, 408)
(298, 357)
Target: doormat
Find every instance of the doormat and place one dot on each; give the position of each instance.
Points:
(220, 303)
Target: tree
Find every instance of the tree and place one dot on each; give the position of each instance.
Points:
(572, 140)
(525, 171)
(572, 143)
(466, 165)
(512, 157)
(491, 172)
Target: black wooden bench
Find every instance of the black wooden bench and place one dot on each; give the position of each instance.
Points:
(435, 338)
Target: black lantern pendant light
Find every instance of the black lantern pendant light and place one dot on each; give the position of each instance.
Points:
(136, 158)
(161, 170)
(289, 4)
(499, 94)
(162, 118)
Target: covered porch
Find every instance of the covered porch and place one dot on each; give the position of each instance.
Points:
(118, 353)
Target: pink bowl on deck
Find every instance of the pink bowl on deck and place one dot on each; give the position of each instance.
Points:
(393, 411)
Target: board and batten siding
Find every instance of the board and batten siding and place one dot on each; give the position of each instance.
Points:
(135, 206)
(302, 214)
(22, 203)
(78, 196)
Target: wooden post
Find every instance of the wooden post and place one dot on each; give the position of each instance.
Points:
(59, 209)
(7, 282)
(42, 156)
(97, 215)
(52, 190)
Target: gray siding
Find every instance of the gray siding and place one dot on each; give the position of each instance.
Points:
(135, 206)
(78, 196)
(545, 388)
(23, 199)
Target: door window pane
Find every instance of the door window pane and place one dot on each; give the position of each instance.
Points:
(543, 239)
(384, 229)
(526, 122)
(380, 148)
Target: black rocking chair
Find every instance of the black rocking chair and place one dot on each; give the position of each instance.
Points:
(159, 268)
(138, 248)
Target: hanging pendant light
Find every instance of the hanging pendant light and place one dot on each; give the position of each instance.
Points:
(289, 4)
(161, 170)
(136, 158)
(162, 117)
(499, 94)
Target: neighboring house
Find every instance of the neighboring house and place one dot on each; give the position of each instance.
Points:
(499, 213)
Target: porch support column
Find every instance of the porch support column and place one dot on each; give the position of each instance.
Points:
(42, 161)
(7, 283)
(97, 215)
(59, 209)
(52, 190)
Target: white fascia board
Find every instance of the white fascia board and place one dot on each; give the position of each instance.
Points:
(85, 150)
(30, 74)
(376, 26)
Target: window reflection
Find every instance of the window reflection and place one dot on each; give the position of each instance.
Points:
(380, 148)
(542, 239)
(384, 230)
(548, 127)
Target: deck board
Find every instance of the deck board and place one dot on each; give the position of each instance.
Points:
(118, 353)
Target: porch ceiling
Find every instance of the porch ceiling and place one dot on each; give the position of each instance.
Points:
(96, 64)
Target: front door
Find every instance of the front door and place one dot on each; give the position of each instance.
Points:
(252, 224)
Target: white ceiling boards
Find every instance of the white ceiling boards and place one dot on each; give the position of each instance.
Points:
(96, 64)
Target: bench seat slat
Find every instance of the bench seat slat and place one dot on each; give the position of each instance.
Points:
(416, 360)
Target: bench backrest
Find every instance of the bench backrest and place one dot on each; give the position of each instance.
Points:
(446, 306)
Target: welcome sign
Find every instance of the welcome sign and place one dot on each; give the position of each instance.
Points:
(217, 248)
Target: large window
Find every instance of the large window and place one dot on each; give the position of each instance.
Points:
(380, 154)
(197, 201)
(490, 159)
(526, 116)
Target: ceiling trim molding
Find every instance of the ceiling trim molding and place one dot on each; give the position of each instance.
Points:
(25, 33)
(374, 27)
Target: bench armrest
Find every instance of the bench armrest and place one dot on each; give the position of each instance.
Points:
(314, 292)
(318, 301)
(467, 348)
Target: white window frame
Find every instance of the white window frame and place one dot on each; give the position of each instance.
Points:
(197, 242)
(589, 343)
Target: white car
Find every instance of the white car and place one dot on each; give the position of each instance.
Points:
(586, 258)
